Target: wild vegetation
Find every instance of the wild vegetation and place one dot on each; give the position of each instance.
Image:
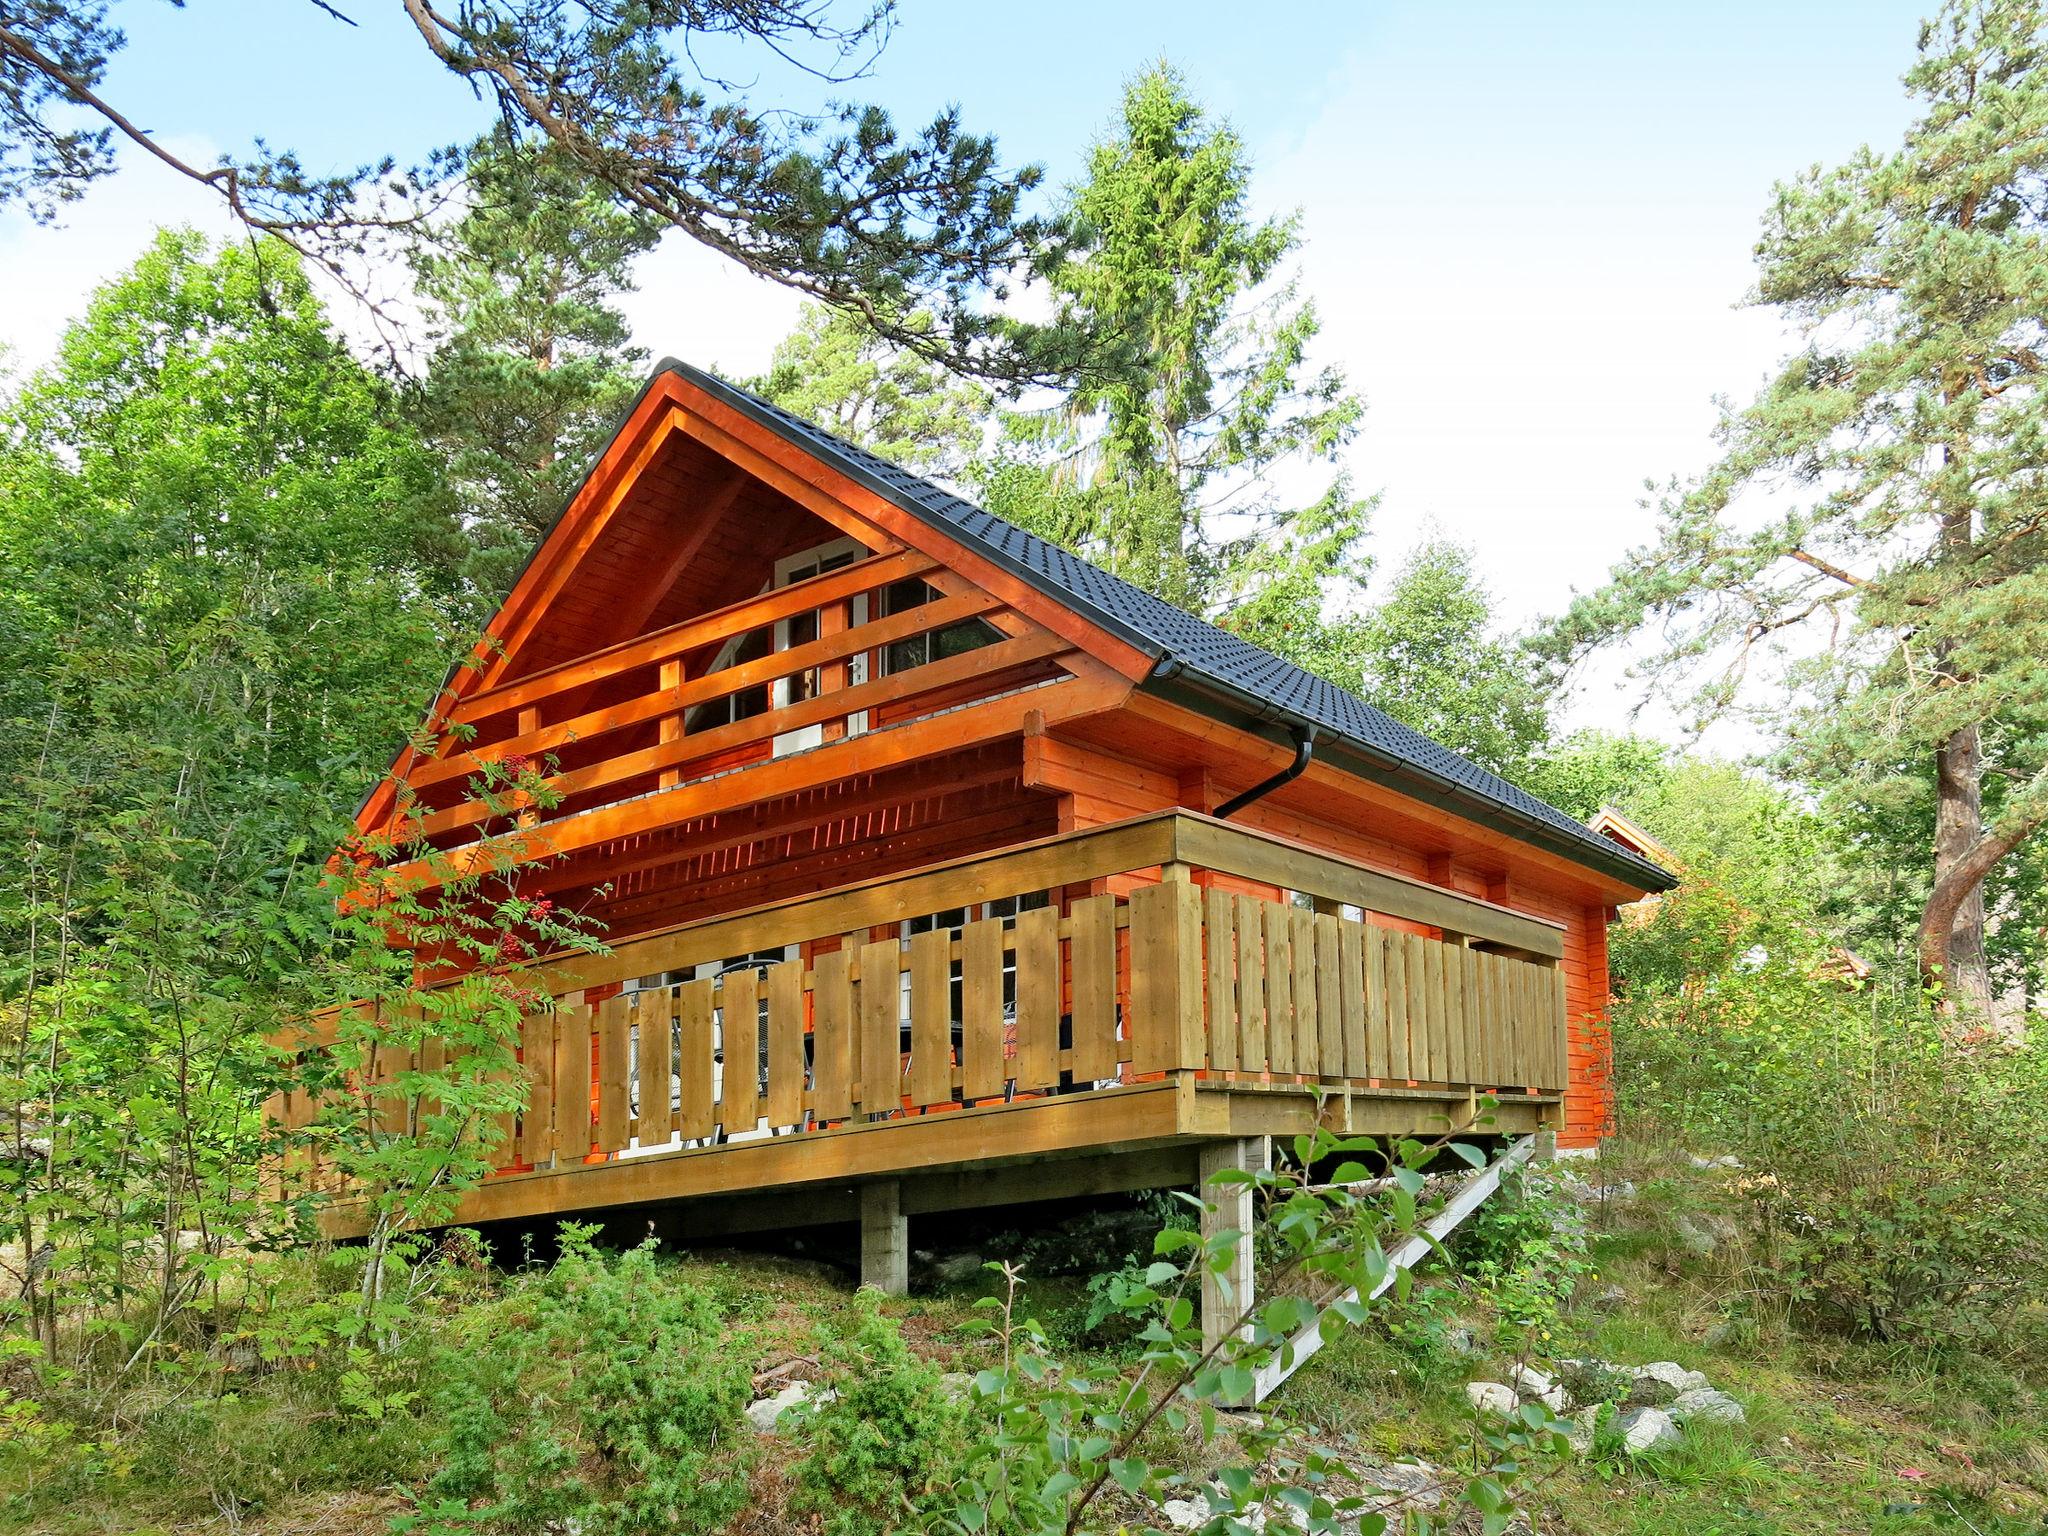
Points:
(234, 558)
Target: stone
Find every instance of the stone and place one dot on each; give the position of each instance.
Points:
(1585, 1425)
(1193, 1514)
(1694, 1237)
(1404, 1484)
(1648, 1429)
(957, 1384)
(1493, 1398)
(1705, 1405)
(1463, 1341)
(1613, 1299)
(765, 1413)
(1534, 1385)
(957, 1268)
(1656, 1384)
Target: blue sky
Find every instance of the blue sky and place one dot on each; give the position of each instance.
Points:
(1526, 225)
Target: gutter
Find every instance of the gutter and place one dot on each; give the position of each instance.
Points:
(1235, 706)
(1304, 749)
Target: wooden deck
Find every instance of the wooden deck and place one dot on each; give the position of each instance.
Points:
(1079, 1013)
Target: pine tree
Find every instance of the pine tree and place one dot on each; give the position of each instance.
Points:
(1161, 463)
(535, 362)
(1901, 456)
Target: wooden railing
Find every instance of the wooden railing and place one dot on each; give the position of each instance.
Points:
(1136, 961)
(645, 681)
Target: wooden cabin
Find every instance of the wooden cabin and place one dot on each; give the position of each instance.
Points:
(940, 868)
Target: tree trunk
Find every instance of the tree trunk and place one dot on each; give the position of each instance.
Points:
(1952, 923)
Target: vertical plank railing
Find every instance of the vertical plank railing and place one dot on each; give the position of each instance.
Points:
(1092, 988)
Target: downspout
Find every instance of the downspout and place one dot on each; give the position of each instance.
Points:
(1304, 749)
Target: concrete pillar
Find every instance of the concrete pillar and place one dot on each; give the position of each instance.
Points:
(884, 1238)
(1229, 1207)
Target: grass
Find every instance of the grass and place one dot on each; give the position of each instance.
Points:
(1840, 1437)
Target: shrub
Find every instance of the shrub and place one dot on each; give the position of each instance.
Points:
(1527, 1249)
(601, 1395)
(1894, 1179)
(885, 1439)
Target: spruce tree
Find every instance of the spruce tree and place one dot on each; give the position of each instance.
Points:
(1161, 464)
(535, 362)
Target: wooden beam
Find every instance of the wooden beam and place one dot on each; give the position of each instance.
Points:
(895, 687)
(1110, 1119)
(679, 639)
(1472, 1194)
(970, 725)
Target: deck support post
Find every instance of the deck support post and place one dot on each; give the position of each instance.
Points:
(1229, 1208)
(884, 1238)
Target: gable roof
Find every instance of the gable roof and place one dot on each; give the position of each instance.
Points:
(1194, 662)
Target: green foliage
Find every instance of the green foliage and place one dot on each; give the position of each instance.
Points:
(834, 201)
(200, 481)
(884, 1444)
(1159, 464)
(601, 1394)
(834, 370)
(1427, 655)
(1527, 1249)
(1058, 1447)
(535, 362)
(1589, 770)
(1895, 1184)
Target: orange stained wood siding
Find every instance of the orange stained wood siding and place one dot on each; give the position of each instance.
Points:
(1097, 787)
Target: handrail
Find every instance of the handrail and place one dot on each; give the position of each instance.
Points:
(1141, 842)
(720, 624)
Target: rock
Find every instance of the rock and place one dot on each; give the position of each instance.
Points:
(1655, 1384)
(1705, 1405)
(957, 1384)
(1613, 1299)
(1694, 1237)
(1585, 1425)
(1405, 1484)
(1192, 1514)
(1463, 1341)
(1494, 1398)
(957, 1268)
(1538, 1386)
(764, 1413)
(1648, 1429)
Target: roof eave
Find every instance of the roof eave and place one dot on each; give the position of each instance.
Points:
(1182, 683)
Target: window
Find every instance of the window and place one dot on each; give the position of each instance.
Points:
(901, 656)
(1005, 908)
